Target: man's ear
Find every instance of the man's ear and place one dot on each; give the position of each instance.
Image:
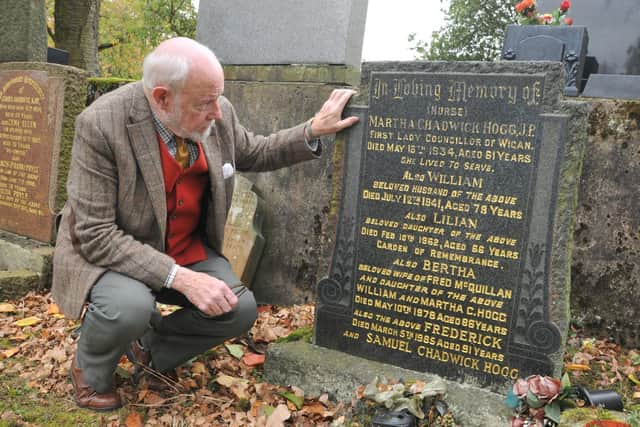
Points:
(162, 97)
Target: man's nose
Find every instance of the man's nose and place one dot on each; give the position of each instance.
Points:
(215, 113)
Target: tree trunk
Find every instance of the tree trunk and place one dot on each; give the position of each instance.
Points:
(76, 31)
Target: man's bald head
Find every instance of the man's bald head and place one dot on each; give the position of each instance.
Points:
(175, 60)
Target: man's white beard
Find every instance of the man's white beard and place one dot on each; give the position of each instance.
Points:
(201, 136)
(172, 120)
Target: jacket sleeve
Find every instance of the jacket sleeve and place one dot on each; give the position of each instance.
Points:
(92, 197)
(264, 153)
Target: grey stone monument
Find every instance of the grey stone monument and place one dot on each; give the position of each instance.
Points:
(283, 31)
(614, 42)
(23, 30)
(453, 249)
(282, 59)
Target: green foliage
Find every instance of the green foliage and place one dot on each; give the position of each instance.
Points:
(474, 31)
(129, 29)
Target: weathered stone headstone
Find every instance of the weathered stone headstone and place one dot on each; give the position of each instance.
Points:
(283, 31)
(30, 128)
(243, 240)
(452, 253)
(23, 30)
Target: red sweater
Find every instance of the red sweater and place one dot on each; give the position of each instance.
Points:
(184, 189)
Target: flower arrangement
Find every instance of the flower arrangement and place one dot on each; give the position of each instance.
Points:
(537, 400)
(529, 15)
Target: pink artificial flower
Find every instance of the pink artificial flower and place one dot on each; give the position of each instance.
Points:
(520, 388)
(568, 20)
(547, 18)
(545, 388)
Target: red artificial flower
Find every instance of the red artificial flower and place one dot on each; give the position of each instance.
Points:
(517, 422)
(565, 5)
(568, 21)
(524, 5)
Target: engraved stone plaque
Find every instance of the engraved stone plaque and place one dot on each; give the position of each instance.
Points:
(30, 126)
(243, 240)
(443, 260)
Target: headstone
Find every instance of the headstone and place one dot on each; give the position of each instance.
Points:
(23, 30)
(243, 241)
(614, 33)
(458, 202)
(615, 86)
(567, 44)
(57, 56)
(30, 128)
(283, 31)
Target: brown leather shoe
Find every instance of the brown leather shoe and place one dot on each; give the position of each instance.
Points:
(143, 372)
(86, 397)
(140, 358)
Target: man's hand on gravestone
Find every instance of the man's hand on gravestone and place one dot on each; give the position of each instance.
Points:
(210, 295)
(329, 119)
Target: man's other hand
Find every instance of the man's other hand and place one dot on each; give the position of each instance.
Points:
(329, 119)
(210, 295)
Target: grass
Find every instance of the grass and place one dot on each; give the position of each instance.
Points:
(20, 405)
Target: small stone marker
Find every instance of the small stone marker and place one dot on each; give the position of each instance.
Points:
(243, 240)
(451, 255)
(30, 126)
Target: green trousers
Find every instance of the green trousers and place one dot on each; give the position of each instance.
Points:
(122, 309)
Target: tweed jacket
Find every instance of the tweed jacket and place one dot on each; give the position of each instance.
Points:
(116, 213)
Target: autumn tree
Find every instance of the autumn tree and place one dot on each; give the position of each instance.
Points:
(129, 29)
(74, 28)
(473, 31)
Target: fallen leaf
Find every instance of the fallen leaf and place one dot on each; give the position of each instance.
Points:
(53, 309)
(27, 321)
(576, 367)
(198, 368)
(19, 337)
(235, 350)
(133, 420)
(296, 400)
(5, 307)
(266, 308)
(9, 352)
(253, 359)
(633, 378)
(58, 315)
(636, 395)
(315, 408)
(279, 416)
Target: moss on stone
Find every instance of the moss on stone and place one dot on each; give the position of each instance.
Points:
(301, 334)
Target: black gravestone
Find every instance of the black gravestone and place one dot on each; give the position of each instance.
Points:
(614, 31)
(567, 44)
(443, 260)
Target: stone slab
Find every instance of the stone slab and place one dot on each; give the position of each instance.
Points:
(283, 31)
(16, 283)
(318, 370)
(453, 228)
(613, 29)
(23, 30)
(31, 123)
(20, 253)
(243, 240)
(613, 86)
(299, 223)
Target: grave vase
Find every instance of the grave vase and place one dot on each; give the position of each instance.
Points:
(563, 43)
